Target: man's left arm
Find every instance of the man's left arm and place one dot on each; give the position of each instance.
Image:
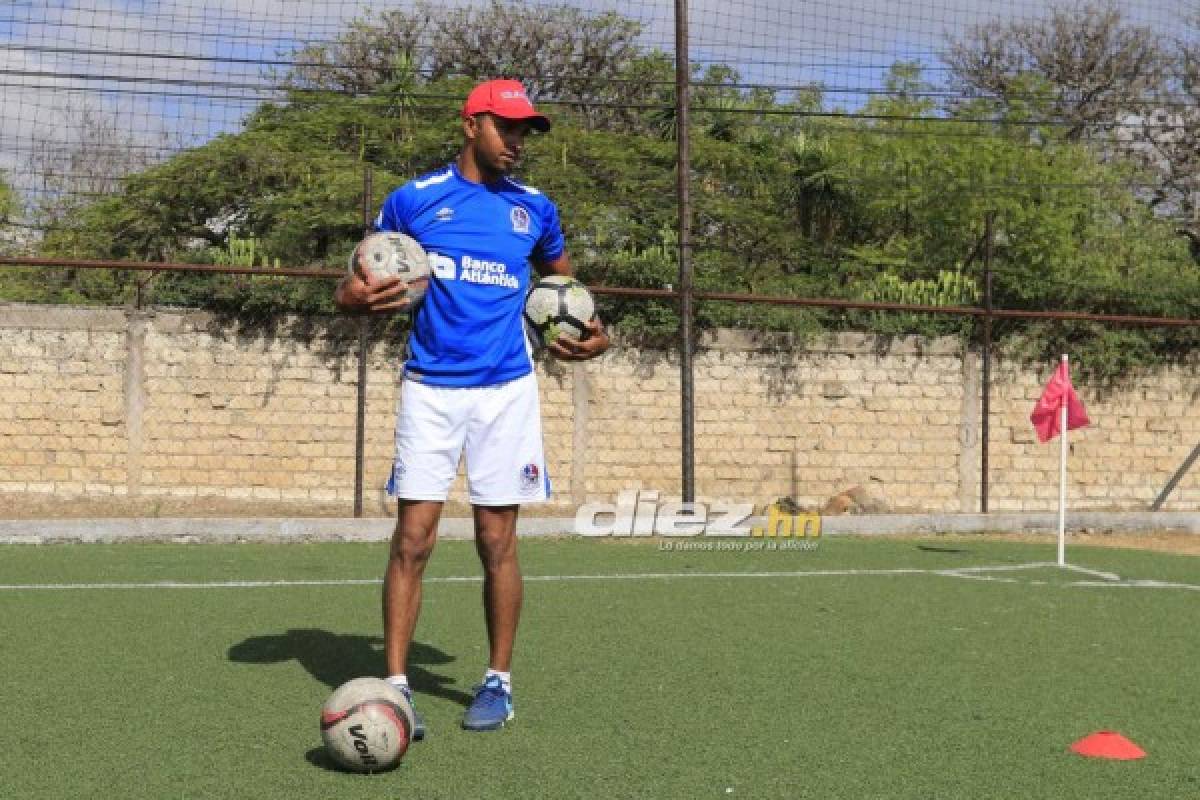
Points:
(567, 347)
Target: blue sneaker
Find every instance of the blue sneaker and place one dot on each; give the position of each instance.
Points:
(418, 731)
(491, 708)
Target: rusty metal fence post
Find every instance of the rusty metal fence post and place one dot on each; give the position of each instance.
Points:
(682, 176)
(986, 359)
(364, 351)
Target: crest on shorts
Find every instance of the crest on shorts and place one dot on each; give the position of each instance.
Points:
(530, 475)
(393, 484)
(520, 219)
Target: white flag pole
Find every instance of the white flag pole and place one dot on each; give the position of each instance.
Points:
(1062, 479)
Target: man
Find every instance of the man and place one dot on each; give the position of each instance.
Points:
(468, 384)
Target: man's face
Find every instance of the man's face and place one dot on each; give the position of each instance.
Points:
(497, 141)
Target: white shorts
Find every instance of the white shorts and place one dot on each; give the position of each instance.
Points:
(499, 427)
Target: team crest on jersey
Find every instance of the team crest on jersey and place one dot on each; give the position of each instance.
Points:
(530, 475)
(520, 220)
(444, 214)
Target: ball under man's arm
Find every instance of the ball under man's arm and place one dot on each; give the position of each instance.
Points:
(566, 347)
(360, 292)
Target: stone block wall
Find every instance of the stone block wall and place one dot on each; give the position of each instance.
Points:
(177, 412)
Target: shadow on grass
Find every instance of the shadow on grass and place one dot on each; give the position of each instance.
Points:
(319, 757)
(334, 658)
(929, 548)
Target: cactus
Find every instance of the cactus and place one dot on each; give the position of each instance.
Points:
(239, 252)
(949, 288)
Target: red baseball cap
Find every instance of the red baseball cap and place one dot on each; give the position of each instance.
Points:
(504, 98)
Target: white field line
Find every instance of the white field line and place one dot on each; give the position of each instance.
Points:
(984, 573)
(1104, 576)
(632, 576)
(999, 567)
(988, 574)
(1140, 584)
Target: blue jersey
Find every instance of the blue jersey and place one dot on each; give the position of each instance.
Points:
(482, 240)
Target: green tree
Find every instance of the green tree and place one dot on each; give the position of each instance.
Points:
(590, 63)
(1098, 67)
(292, 181)
(888, 204)
(8, 202)
(1086, 71)
(1072, 233)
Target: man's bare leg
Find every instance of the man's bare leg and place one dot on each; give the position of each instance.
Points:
(496, 543)
(412, 544)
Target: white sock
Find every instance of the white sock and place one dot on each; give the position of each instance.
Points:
(505, 678)
(399, 681)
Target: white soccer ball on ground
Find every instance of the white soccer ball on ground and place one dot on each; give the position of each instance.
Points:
(367, 725)
(558, 304)
(394, 254)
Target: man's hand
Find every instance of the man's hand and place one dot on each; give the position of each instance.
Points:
(362, 293)
(571, 349)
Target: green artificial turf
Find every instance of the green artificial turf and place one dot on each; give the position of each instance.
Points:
(806, 674)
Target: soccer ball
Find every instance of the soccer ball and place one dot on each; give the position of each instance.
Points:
(388, 254)
(367, 725)
(558, 304)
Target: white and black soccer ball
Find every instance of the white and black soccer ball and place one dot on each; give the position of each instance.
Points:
(367, 725)
(558, 304)
(388, 254)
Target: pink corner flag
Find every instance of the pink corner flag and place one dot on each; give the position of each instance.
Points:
(1045, 416)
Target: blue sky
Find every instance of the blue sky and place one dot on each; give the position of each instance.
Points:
(195, 85)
